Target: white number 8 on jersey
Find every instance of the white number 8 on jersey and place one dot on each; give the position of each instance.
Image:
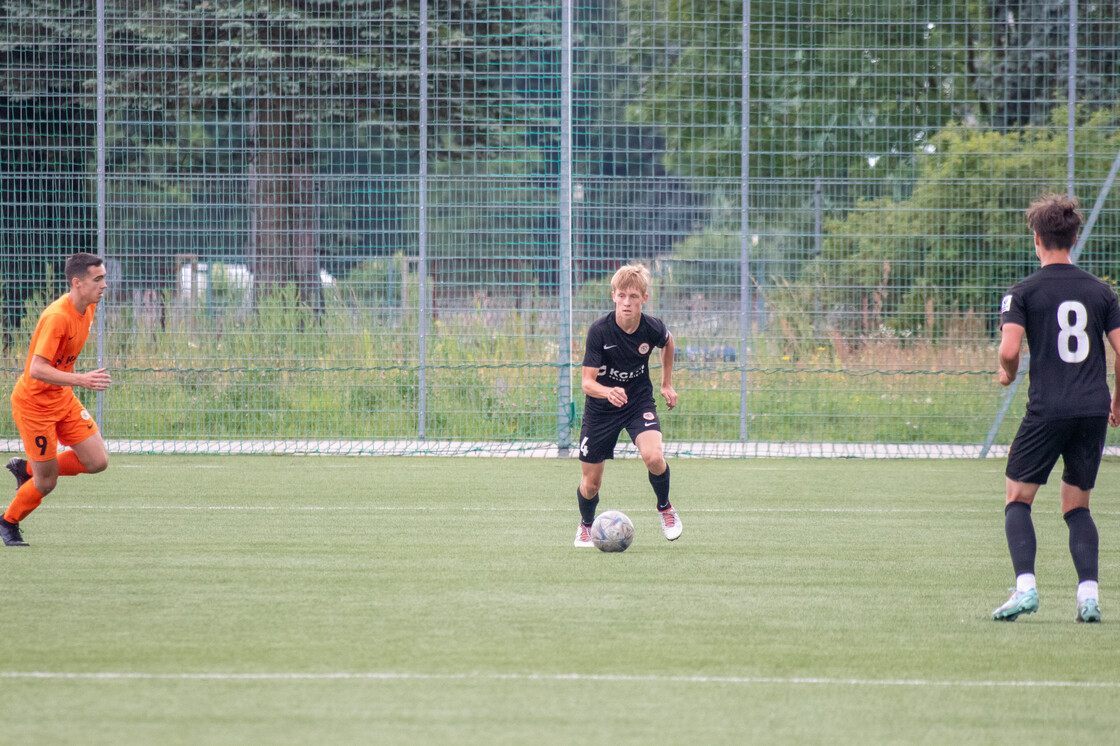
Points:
(1073, 342)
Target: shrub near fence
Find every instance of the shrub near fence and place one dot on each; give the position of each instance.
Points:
(355, 379)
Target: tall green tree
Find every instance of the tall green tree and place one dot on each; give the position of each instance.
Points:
(45, 143)
(46, 211)
(278, 70)
(287, 67)
(1023, 71)
(832, 85)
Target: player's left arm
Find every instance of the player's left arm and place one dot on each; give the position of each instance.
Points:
(667, 390)
(1009, 346)
(1114, 340)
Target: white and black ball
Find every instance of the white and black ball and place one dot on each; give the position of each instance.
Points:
(612, 531)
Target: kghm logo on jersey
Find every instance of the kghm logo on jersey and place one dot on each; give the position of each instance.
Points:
(1005, 306)
(643, 348)
(622, 376)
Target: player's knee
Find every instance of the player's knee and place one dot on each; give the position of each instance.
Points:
(589, 488)
(655, 460)
(97, 464)
(44, 485)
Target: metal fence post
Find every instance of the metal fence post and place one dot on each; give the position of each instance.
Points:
(745, 297)
(422, 305)
(564, 385)
(100, 406)
(1071, 97)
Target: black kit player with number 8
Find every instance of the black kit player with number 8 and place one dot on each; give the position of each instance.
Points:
(1065, 314)
(620, 397)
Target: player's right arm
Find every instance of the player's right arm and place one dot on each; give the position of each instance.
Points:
(1010, 344)
(42, 370)
(592, 359)
(591, 386)
(1114, 340)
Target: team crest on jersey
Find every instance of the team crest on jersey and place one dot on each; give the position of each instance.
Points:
(648, 415)
(85, 415)
(643, 348)
(1005, 305)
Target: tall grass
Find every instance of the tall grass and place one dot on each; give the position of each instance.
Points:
(280, 370)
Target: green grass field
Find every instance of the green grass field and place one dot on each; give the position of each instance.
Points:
(267, 600)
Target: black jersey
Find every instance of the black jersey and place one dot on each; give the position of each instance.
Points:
(623, 359)
(1067, 312)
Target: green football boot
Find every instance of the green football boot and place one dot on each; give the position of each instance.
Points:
(1021, 602)
(1088, 611)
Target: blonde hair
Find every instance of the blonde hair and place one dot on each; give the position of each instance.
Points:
(631, 276)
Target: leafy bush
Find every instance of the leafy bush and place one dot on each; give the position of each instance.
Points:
(960, 239)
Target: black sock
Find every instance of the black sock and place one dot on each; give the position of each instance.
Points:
(587, 507)
(660, 484)
(1084, 543)
(1019, 528)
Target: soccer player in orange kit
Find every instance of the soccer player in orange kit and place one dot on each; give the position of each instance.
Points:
(44, 407)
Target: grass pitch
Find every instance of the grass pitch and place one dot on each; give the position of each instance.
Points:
(233, 600)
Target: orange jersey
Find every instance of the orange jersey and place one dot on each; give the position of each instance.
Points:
(59, 337)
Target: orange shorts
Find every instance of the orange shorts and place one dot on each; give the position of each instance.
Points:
(43, 431)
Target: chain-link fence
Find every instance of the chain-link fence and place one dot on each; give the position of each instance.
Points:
(384, 227)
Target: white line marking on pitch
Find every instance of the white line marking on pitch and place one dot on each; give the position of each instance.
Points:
(503, 509)
(507, 509)
(189, 466)
(392, 676)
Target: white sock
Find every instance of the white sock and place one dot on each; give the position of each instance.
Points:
(1024, 582)
(1086, 589)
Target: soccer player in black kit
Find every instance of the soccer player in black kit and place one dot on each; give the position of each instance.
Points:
(620, 396)
(1066, 314)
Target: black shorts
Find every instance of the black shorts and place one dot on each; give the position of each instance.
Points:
(1037, 445)
(599, 433)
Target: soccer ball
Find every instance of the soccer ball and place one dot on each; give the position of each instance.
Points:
(612, 531)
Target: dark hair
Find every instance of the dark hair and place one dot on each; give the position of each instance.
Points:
(79, 264)
(1056, 219)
